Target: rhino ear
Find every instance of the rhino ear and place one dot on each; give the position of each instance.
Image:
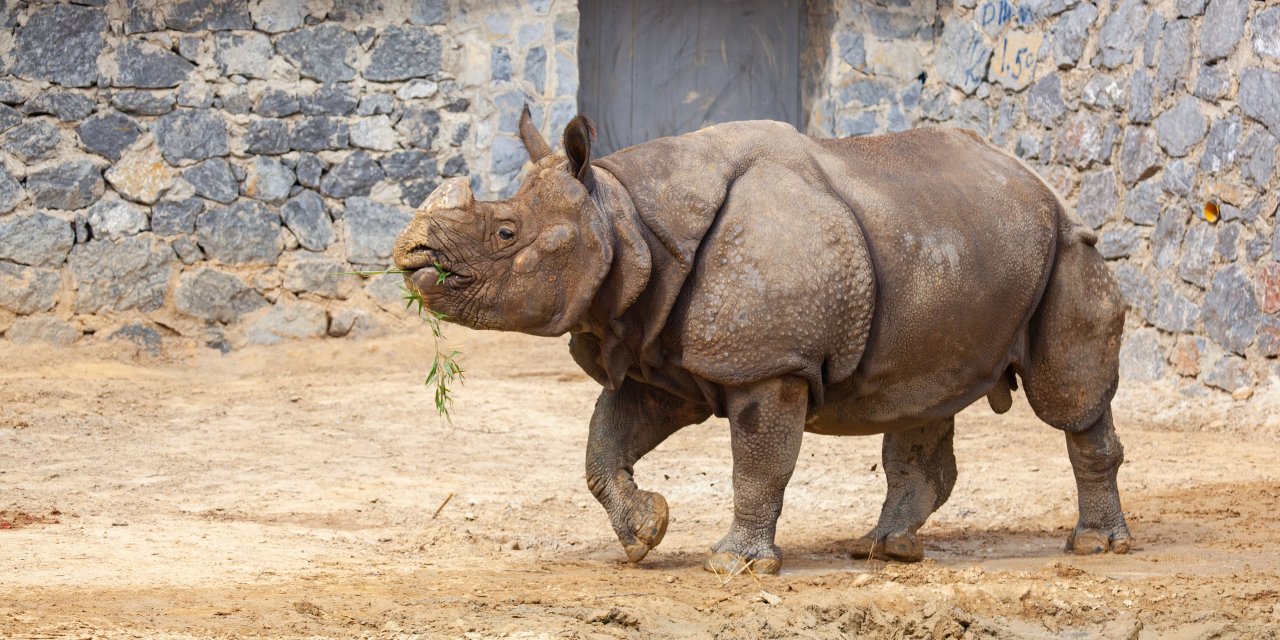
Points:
(578, 135)
(533, 141)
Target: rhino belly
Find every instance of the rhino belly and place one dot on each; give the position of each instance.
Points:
(962, 240)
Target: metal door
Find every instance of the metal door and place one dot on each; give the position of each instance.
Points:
(651, 68)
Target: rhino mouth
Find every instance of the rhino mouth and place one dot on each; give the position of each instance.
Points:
(432, 269)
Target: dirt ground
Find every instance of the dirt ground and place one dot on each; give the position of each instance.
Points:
(291, 491)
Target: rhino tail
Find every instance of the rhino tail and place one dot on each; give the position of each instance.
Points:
(1084, 234)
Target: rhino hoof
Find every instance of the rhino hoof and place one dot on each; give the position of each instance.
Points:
(900, 546)
(728, 564)
(650, 531)
(1083, 542)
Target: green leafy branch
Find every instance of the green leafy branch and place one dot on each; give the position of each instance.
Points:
(445, 372)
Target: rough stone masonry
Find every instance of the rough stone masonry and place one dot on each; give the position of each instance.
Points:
(198, 169)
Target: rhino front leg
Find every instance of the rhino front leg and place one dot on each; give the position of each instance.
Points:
(627, 424)
(920, 469)
(766, 422)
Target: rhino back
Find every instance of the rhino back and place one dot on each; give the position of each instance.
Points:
(963, 239)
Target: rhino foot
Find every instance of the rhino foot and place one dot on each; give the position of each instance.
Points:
(902, 546)
(732, 563)
(1084, 541)
(647, 524)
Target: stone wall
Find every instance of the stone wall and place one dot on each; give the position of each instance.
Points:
(1138, 113)
(199, 169)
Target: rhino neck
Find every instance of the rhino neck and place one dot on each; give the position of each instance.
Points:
(657, 226)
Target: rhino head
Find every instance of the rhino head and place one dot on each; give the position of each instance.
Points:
(531, 263)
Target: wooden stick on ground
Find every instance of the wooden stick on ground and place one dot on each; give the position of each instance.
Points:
(442, 504)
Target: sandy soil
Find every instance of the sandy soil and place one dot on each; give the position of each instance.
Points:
(289, 492)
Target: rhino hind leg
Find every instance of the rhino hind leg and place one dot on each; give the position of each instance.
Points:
(1070, 377)
(1096, 455)
(920, 469)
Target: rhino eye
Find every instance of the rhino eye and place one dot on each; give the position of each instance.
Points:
(506, 234)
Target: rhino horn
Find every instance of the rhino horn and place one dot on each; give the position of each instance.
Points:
(454, 193)
(533, 141)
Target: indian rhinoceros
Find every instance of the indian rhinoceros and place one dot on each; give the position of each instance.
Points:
(856, 286)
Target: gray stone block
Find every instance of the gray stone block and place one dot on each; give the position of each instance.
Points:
(61, 43)
(1142, 357)
(1231, 313)
(1260, 97)
(191, 134)
(28, 290)
(213, 179)
(1167, 239)
(66, 106)
(1142, 203)
(1120, 242)
(330, 100)
(1141, 97)
(274, 103)
(70, 185)
(401, 53)
(1221, 146)
(175, 217)
(244, 233)
(319, 134)
(419, 125)
(426, 12)
(354, 176)
(1139, 156)
(1197, 255)
(1265, 27)
(371, 230)
(500, 64)
(1119, 35)
(108, 134)
(11, 193)
(1098, 197)
(32, 140)
(1190, 8)
(1258, 157)
(244, 54)
(1135, 288)
(1213, 82)
(215, 296)
(270, 137)
(143, 65)
(1175, 58)
(208, 15)
(1179, 178)
(319, 275)
(141, 335)
(1222, 27)
(1044, 101)
(1229, 373)
(962, 56)
(305, 216)
(114, 219)
(1070, 33)
(288, 320)
(535, 68)
(324, 52)
(43, 329)
(143, 103)
(1174, 312)
(268, 180)
(1182, 127)
(130, 273)
(309, 169)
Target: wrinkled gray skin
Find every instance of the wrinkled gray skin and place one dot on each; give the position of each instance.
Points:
(872, 285)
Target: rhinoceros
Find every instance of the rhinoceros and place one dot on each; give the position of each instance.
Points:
(855, 286)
